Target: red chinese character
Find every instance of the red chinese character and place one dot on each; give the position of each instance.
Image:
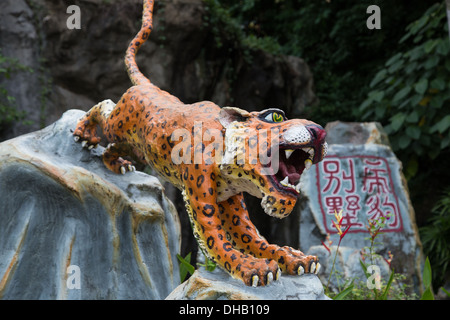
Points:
(352, 211)
(374, 179)
(393, 221)
(328, 169)
(334, 204)
(350, 176)
(375, 211)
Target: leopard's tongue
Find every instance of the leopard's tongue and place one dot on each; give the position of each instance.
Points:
(289, 170)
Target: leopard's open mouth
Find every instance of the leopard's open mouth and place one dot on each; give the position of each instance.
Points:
(292, 163)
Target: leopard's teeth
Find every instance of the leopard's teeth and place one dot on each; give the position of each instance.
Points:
(297, 187)
(308, 164)
(288, 153)
(310, 151)
(286, 183)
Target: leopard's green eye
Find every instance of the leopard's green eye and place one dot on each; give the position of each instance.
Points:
(274, 117)
(277, 117)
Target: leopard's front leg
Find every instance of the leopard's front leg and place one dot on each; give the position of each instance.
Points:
(200, 195)
(244, 235)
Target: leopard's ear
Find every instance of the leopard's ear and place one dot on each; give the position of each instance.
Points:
(228, 115)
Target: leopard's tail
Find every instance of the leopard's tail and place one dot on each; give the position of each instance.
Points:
(136, 76)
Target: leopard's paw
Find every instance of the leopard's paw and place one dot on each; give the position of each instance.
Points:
(85, 143)
(294, 262)
(260, 272)
(86, 134)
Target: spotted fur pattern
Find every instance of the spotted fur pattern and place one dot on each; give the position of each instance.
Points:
(141, 126)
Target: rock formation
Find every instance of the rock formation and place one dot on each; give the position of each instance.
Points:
(218, 285)
(362, 177)
(71, 229)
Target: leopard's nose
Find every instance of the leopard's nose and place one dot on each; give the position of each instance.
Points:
(317, 133)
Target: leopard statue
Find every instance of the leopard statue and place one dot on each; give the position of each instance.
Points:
(212, 155)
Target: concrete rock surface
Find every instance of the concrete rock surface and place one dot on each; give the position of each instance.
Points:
(71, 229)
(218, 285)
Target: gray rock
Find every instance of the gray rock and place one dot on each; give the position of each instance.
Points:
(363, 177)
(218, 285)
(71, 229)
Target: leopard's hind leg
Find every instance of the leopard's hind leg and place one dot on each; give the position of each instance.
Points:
(86, 129)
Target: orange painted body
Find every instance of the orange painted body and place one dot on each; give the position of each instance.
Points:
(142, 124)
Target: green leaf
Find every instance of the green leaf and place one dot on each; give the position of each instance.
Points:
(443, 47)
(412, 167)
(401, 94)
(365, 104)
(426, 276)
(431, 62)
(442, 125)
(404, 142)
(445, 142)
(410, 67)
(380, 110)
(446, 292)
(427, 295)
(364, 267)
(388, 286)
(413, 117)
(419, 24)
(414, 132)
(415, 53)
(421, 86)
(378, 77)
(438, 83)
(397, 121)
(429, 45)
(394, 59)
(341, 295)
(376, 95)
(185, 266)
(396, 66)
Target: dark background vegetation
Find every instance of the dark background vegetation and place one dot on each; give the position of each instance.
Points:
(398, 75)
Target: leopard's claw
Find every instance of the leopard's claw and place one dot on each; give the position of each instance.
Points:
(300, 270)
(269, 277)
(317, 268)
(127, 168)
(85, 143)
(278, 275)
(255, 280)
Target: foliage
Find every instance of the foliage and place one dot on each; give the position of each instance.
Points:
(356, 289)
(186, 266)
(330, 35)
(426, 277)
(8, 111)
(436, 238)
(410, 93)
